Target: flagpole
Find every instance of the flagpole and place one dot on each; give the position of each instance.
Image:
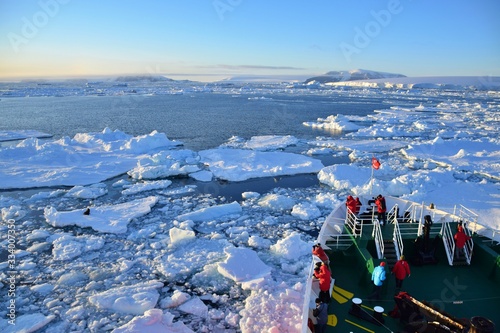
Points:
(371, 182)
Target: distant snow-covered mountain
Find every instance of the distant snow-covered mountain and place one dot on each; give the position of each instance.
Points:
(352, 75)
(143, 78)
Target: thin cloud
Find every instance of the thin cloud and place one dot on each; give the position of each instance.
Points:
(240, 67)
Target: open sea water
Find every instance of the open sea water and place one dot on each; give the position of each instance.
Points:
(199, 118)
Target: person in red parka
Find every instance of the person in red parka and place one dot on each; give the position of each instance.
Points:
(460, 239)
(351, 204)
(358, 206)
(401, 270)
(381, 209)
(324, 276)
(318, 251)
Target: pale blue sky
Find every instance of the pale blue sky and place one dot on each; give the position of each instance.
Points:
(238, 37)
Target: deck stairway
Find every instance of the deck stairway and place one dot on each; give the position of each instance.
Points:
(390, 254)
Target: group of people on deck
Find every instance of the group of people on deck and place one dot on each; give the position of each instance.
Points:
(323, 274)
(401, 271)
(354, 206)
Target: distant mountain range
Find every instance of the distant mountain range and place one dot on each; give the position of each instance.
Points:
(352, 75)
(147, 78)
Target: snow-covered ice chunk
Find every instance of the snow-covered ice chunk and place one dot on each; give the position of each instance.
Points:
(12, 212)
(195, 306)
(26, 323)
(165, 164)
(22, 134)
(211, 213)
(43, 289)
(202, 176)
(153, 321)
(179, 236)
(306, 211)
(242, 265)
(146, 186)
(239, 164)
(109, 218)
(250, 195)
(340, 176)
(88, 158)
(134, 299)
(88, 192)
(177, 298)
(68, 247)
(292, 247)
(187, 260)
(277, 202)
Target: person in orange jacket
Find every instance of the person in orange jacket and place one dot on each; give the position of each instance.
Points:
(460, 239)
(324, 276)
(401, 270)
(318, 251)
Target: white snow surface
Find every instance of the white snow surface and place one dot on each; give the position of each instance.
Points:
(239, 165)
(110, 218)
(155, 255)
(86, 159)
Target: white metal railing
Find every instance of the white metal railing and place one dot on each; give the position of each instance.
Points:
(396, 236)
(354, 224)
(332, 231)
(311, 292)
(379, 239)
(448, 241)
(466, 215)
(469, 245)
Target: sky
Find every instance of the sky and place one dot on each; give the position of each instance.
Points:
(212, 39)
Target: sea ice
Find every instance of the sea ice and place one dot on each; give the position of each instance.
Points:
(239, 164)
(134, 299)
(242, 265)
(108, 218)
(153, 321)
(211, 213)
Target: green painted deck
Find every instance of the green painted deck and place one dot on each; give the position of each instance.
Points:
(461, 291)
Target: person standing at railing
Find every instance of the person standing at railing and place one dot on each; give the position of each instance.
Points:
(318, 251)
(460, 239)
(321, 314)
(358, 206)
(381, 209)
(351, 204)
(323, 275)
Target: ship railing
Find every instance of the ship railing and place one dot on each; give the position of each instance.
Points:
(311, 293)
(332, 236)
(379, 239)
(398, 239)
(448, 241)
(469, 245)
(466, 215)
(353, 224)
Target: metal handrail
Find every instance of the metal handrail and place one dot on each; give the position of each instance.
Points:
(353, 223)
(448, 241)
(396, 236)
(379, 240)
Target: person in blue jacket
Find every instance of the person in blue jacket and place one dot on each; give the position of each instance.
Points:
(378, 278)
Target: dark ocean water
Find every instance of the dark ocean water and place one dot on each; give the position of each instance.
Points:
(199, 120)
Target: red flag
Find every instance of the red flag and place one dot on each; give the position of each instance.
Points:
(375, 163)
